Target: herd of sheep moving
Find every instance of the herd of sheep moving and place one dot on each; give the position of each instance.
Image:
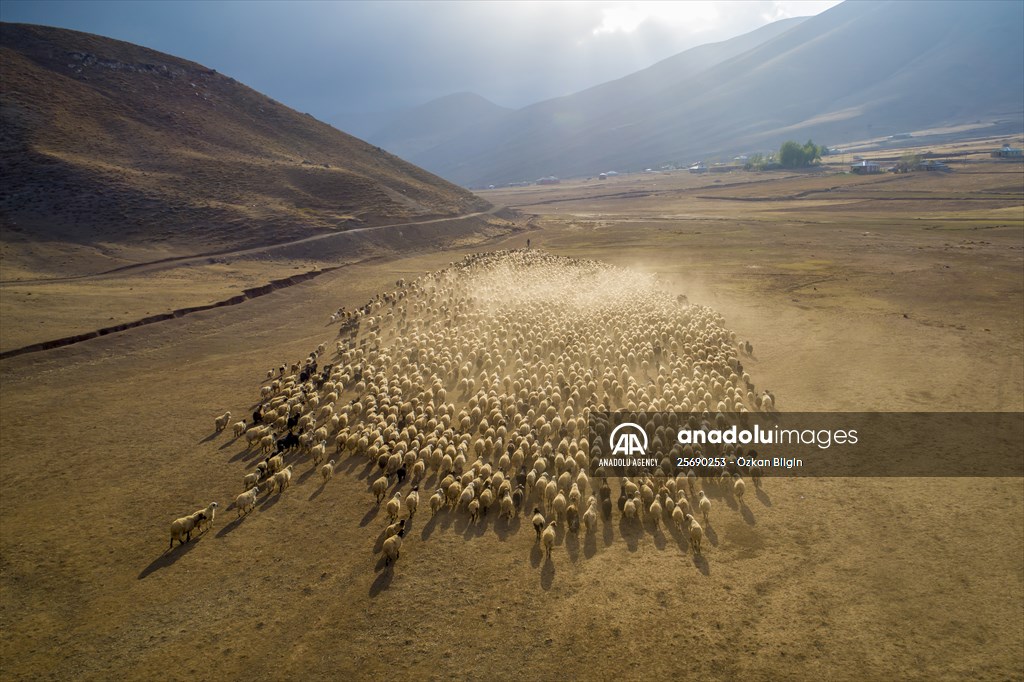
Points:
(480, 378)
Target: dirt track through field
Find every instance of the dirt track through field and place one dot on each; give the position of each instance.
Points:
(178, 261)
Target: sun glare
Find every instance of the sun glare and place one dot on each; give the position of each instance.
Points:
(627, 16)
(698, 16)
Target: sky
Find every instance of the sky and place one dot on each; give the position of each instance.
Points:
(341, 60)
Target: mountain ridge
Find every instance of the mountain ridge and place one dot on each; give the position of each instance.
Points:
(858, 70)
(106, 141)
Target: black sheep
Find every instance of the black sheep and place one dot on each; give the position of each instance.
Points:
(289, 441)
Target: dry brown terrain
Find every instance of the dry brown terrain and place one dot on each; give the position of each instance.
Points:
(114, 154)
(884, 293)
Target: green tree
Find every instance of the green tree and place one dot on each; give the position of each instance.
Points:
(755, 162)
(795, 155)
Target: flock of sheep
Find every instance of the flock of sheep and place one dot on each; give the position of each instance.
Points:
(476, 383)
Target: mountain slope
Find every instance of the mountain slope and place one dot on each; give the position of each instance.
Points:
(108, 142)
(861, 68)
(437, 122)
(548, 121)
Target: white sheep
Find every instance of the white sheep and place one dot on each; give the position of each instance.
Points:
(508, 508)
(239, 428)
(705, 505)
(394, 506)
(319, 452)
(221, 422)
(436, 501)
(394, 529)
(679, 518)
(250, 479)
(392, 547)
(548, 537)
(327, 471)
(558, 505)
(629, 508)
(696, 532)
(590, 516)
(380, 488)
(738, 488)
(246, 502)
(206, 516)
(282, 479)
(183, 527)
(656, 511)
(412, 500)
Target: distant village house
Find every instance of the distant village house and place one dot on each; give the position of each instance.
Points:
(865, 167)
(1008, 152)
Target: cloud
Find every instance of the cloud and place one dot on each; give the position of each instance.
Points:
(326, 58)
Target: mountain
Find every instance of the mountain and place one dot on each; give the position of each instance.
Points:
(859, 69)
(438, 122)
(482, 122)
(104, 141)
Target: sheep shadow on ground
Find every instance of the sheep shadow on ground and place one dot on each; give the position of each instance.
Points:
(748, 515)
(349, 465)
(270, 501)
(608, 532)
(659, 538)
(503, 527)
(242, 454)
(702, 564)
(461, 525)
(378, 544)
(483, 523)
(711, 534)
(474, 528)
(765, 499)
(369, 515)
(168, 558)
(367, 474)
(547, 574)
(428, 527)
(305, 477)
(590, 545)
(318, 492)
(210, 437)
(572, 547)
(536, 554)
(448, 519)
(629, 533)
(383, 580)
(681, 538)
(231, 525)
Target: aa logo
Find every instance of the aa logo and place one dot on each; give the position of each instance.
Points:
(628, 439)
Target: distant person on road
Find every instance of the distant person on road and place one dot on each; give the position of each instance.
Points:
(527, 243)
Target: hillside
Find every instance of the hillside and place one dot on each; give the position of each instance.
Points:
(116, 146)
(467, 122)
(858, 70)
(438, 122)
